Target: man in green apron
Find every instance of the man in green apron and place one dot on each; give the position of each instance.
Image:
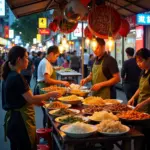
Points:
(46, 75)
(105, 73)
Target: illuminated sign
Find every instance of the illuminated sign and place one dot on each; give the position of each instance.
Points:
(2, 7)
(143, 19)
(38, 38)
(78, 31)
(44, 31)
(11, 34)
(6, 31)
(43, 23)
(139, 37)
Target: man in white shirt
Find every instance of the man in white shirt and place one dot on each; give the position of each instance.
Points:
(86, 62)
(46, 75)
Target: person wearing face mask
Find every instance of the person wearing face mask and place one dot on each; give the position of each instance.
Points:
(18, 101)
(105, 73)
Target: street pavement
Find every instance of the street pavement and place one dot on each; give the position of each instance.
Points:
(39, 115)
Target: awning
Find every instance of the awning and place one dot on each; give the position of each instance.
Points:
(22, 8)
(124, 7)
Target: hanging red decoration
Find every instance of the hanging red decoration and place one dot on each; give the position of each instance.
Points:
(88, 33)
(53, 26)
(103, 20)
(85, 2)
(125, 28)
(66, 26)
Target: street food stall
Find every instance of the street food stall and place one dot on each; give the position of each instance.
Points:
(87, 122)
(78, 119)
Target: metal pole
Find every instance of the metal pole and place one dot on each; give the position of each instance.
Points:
(82, 51)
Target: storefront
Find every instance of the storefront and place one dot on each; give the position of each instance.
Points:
(134, 39)
(4, 45)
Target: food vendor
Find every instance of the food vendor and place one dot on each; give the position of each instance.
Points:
(46, 74)
(18, 101)
(105, 73)
(143, 93)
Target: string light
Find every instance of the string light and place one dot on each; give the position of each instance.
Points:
(87, 41)
(110, 43)
(61, 48)
(94, 44)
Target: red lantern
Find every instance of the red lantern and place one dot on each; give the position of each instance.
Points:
(53, 26)
(125, 28)
(102, 20)
(87, 33)
(85, 2)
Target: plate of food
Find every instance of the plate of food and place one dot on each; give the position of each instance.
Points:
(89, 110)
(102, 115)
(64, 111)
(71, 99)
(112, 128)
(93, 100)
(134, 117)
(56, 105)
(62, 90)
(113, 101)
(68, 119)
(79, 92)
(116, 108)
(78, 130)
(66, 70)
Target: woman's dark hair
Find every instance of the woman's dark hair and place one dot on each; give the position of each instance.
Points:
(143, 53)
(130, 51)
(14, 53)
(53, 49)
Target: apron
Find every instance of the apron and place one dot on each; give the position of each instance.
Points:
(97, 77)
(144, 88)
(28, 115)
(43, 84)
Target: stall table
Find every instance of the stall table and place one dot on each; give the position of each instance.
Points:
(71, 74)
(64, 142)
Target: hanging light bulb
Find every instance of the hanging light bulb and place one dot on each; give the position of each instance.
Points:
(66, 46)
(61, 48)
(87, 41)
(110, 43)
(64, 40)
(93, 44)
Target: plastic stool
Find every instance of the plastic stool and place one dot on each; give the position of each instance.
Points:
(45, 134)
(42, 147)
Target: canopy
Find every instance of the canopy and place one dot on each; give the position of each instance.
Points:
(124, 7)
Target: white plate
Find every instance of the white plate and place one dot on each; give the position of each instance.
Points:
(115, 134)
(120, 101)
(71, 101)
(76, 135)
(85, 119)
(46, 106)
(83, 88)
(76, 111)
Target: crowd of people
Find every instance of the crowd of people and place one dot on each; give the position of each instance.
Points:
(102, 71)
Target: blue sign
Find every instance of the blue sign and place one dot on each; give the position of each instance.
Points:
(143, 19)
